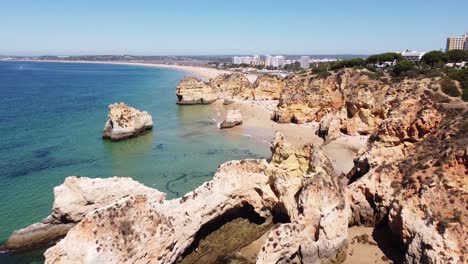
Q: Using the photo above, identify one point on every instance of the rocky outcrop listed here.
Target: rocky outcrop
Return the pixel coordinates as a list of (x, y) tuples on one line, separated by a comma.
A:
[(233, 118), (235, 85), (329, 127), (125, 122), (308, 98), (410, 177), (267, 87), (360, 101), (195, 91), (73, 199), (316, 205), (140, 228)]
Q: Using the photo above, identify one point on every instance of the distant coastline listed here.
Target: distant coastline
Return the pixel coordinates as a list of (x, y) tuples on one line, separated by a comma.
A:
[(201, 72)]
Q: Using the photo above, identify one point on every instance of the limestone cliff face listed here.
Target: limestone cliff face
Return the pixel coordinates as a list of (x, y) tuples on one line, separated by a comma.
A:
[(124, 122), (360, 103), (195, 91), (73, 199), (234, 85), (412, 176), (141, 228), (316, 204), (267, 87)]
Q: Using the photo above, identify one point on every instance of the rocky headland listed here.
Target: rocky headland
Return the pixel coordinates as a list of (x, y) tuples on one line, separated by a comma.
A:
[(125, 122), (408, 178)]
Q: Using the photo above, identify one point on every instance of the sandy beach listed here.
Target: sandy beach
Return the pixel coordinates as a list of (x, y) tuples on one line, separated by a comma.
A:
[(257, 123), (204, 73)]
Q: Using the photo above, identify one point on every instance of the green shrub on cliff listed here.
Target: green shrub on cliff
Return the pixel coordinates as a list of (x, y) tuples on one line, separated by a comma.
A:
[(403, 68), (462, 77), (449, 88), (389, 56), (434, 58)]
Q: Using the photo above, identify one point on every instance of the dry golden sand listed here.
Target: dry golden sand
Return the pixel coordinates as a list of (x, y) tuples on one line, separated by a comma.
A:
[(257, 123)]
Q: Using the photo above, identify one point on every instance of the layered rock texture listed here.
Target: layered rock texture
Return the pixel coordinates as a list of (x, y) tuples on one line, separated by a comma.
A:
[(355, 98), (298, 187), (125, 122), (412, 177), (73, 199), (233, 118), (195, 91), (233, 86)]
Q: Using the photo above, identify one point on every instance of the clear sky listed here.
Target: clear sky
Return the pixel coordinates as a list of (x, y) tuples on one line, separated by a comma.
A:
[(201, 27)]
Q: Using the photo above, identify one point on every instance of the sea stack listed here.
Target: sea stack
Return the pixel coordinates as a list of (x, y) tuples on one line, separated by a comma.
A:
[(125, 122), (233, 118)]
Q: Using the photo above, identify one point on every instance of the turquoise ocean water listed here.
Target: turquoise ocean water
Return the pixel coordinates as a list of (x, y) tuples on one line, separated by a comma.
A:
[(51, 119)]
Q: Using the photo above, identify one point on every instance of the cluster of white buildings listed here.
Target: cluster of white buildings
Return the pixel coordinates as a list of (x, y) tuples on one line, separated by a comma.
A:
[(268, 61), (411, 55)]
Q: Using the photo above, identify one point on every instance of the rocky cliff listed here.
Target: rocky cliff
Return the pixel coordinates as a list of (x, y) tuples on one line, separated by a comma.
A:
[(354, 97), (125, 122), (76, 197), (141, 228), (236, 85), (195, 91)]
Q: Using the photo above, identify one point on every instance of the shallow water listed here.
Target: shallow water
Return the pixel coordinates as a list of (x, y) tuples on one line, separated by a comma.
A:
[(51, 119)]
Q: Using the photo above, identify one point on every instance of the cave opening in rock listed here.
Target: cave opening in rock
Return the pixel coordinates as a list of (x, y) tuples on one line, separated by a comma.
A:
[(225, 234), (179, 98), (280, 214)]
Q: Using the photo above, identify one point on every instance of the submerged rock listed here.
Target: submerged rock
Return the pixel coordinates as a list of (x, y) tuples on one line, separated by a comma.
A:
[(195, 91), (233, 118), (125, 122), (73, 199)]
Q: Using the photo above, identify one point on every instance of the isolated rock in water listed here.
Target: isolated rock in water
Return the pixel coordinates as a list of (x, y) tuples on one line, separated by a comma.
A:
[(329, 127), (267, 87), (142, 229), (195, 91), (124, 122), (233, 118), (73, 199)]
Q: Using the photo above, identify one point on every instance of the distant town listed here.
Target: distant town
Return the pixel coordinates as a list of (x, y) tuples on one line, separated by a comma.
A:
[(282, 65)]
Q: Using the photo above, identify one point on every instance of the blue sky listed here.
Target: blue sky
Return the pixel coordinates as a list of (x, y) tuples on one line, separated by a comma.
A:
[(190, 27)]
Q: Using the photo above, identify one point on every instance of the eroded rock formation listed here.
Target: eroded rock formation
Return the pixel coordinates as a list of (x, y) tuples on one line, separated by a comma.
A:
[(412, 177), (233, 118), (73, 199), (140, 228), (267, 87), (125, 122), (235, 85), (195, 91)]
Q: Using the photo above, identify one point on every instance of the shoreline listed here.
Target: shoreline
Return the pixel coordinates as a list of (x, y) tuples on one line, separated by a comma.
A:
[(204, 73)]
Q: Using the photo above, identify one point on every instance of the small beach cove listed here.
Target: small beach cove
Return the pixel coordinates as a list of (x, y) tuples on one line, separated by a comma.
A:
[(53, 115)]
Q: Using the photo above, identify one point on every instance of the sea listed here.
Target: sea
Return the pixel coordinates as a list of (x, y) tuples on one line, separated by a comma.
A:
[(51, 120)]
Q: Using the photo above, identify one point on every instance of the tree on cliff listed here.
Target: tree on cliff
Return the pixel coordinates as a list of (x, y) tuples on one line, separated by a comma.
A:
[(434, 57), (457, 55), (389, 56), (402, 68)]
